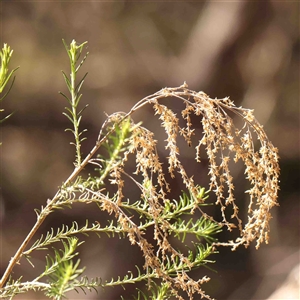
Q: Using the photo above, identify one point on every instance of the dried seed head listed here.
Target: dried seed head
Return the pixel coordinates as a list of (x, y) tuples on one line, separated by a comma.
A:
[(224, 144)]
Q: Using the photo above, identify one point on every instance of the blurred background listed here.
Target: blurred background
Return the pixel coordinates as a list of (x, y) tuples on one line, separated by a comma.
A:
[(248, 50)]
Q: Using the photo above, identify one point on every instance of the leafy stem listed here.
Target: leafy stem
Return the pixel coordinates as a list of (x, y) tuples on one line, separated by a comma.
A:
[(5, 75), (74, 53)]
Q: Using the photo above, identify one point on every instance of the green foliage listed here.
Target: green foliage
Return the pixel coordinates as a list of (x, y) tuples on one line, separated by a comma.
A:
[(63, 272), (115, 145), (5, 74), (158, 292)]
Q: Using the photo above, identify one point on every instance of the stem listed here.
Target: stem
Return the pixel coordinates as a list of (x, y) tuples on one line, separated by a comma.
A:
[(14, 260)]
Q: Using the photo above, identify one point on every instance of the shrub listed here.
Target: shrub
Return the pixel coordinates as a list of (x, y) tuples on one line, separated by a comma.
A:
[(152, 221)]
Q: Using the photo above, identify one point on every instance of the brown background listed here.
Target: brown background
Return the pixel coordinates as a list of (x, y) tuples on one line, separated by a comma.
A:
[(246, 50)]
